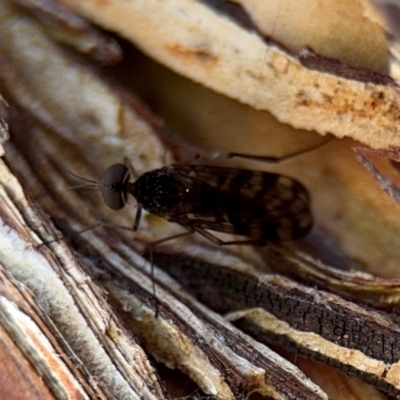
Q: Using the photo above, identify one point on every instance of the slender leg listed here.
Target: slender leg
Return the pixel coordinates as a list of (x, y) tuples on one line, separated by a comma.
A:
[(219, 242), (276, 160), (99, 224), (150, 248), (137, 218), (75, 233), (203, 233), (131, 168), (167, 239)]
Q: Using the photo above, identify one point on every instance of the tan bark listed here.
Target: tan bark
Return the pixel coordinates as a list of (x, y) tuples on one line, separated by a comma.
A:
[(81, 313)]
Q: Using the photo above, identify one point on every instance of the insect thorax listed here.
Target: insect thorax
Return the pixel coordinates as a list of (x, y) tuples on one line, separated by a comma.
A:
[(159, 191)]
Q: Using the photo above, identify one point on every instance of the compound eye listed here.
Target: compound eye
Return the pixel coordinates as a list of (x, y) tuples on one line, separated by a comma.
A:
[(114, 186)]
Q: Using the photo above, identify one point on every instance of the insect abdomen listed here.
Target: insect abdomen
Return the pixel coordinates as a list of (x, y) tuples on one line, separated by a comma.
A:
[(259, 205)]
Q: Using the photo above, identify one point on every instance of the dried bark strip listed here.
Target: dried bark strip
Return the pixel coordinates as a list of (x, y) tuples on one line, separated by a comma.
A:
[(70, 29), (78, 323), (358, 286), (232, 365), (390, 187), (197, 41), (289, 382), (105, 125), (358, 340), (33, 334)]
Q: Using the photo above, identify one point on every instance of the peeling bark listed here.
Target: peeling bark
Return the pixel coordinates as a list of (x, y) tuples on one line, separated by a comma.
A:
[(85, 315)]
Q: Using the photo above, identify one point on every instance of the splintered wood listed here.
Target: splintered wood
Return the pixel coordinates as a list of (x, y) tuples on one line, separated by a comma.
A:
[(78, 311)]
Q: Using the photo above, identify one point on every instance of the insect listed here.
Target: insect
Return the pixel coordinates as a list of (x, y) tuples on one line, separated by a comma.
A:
[(260, 206)]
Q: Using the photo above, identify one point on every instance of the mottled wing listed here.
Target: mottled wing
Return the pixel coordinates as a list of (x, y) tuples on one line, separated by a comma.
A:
[(255, 204)]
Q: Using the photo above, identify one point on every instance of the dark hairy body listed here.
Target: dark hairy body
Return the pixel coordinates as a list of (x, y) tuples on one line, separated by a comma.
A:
[(260, 206)]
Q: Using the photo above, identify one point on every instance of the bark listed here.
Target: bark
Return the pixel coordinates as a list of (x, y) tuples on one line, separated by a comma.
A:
[(88, 315)]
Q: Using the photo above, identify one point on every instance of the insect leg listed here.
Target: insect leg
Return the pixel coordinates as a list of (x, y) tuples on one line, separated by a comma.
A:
[(137, 218), (59, 239), (150, 248), (191, 230), (131, 168), (276, 160), (219, 242)]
